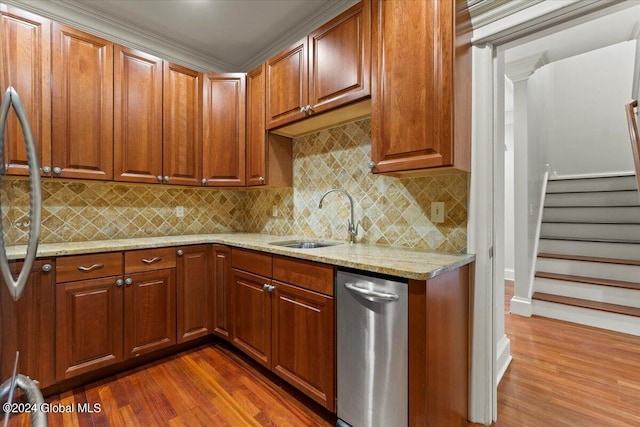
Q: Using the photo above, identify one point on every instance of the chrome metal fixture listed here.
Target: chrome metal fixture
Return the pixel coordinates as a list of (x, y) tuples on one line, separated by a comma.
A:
[(353, 226)]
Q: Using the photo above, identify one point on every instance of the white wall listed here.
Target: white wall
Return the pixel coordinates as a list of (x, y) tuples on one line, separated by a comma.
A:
[(585, 120), (509, 242)]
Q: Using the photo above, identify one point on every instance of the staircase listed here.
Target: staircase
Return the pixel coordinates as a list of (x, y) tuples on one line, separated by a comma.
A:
[(588, 263)]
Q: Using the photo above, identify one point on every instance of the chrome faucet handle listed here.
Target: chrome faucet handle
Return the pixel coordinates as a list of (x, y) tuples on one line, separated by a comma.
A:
[(353, 231)]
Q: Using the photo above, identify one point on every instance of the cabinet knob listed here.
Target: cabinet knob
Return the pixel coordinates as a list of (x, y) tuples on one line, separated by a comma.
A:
[(119, 282), (261, 179), (308, 109), (372, 164), (57, 170), (166, 178), (128, 281), (204, 181), (46, 169), (159, 178), (271, 288), (180, 252), (265, 286), (46, 268), (303, 110)]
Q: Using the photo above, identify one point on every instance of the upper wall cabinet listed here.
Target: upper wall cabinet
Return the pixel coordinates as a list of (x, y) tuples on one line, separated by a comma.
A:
[(137, 93), (224, 130), (328, 69), (182, 132), (25, 64), (421, 88), (82, 130)]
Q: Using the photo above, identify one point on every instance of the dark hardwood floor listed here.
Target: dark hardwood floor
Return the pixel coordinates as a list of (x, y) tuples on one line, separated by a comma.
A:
[(562, 374)]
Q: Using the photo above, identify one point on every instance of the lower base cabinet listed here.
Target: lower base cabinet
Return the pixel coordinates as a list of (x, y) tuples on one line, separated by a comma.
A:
[(194, 305), (285, 327)]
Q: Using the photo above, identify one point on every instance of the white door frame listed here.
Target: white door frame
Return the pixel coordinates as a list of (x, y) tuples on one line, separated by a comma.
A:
[(508, 29)]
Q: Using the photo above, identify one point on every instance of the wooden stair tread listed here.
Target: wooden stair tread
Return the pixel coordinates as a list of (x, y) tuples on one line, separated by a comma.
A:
[(595, 305), (588, 280), (590, 258)]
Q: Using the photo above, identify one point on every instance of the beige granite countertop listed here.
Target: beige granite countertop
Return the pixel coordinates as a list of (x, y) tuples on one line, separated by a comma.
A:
[(394, 261)]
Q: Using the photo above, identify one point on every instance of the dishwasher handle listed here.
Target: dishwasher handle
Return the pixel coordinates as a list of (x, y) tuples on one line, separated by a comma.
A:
[(369, 295)]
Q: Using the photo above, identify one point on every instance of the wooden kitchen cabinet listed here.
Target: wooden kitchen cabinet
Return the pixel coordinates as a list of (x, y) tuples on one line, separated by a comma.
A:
[(194, 292), (149, 311), (224, 114), (25, 64), (268, 157), (89, 316), (303, 349), (252, 315), (327, 69), (287, 327), (182, 130), (137, 93), (421, 86), (28, 325), (82, 126), (222, 303)]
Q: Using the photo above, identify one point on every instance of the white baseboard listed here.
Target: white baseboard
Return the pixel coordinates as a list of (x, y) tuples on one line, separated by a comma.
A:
[(503, 357), (521, 306), (509, 274), (592, 175)]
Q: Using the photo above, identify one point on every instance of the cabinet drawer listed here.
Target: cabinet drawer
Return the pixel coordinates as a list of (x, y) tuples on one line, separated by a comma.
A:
[(306, 274), (149, 259), (252, 261), (82, 267)]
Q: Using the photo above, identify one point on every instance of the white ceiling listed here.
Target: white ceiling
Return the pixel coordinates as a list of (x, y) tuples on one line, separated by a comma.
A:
[(207, 35)]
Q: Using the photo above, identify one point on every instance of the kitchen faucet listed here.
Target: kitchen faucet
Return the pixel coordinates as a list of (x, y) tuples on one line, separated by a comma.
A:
[(353, 226)]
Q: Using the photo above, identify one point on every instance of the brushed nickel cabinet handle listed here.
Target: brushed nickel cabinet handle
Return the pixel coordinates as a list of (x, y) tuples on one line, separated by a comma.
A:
[(119, 282), (91, 268), (159, 178), (166, 178), (261, 179), (128, 281), (180, 252), (46, 169), (47, 268), (152, 260), (57, 170)]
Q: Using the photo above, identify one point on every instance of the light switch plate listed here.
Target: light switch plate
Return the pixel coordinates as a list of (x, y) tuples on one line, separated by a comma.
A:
[(437, 212), (180, 211)]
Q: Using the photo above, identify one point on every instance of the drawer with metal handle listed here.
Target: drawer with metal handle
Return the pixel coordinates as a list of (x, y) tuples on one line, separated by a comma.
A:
[(149, 259), (83, 267)]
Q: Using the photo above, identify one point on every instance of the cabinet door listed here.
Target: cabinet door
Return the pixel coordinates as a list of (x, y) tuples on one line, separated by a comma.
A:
[(224, 130), (28, 326), (340, 59), (182, 133), (137, 97), (194, 292), (287, 85), (82, 105), (222, 304), (252, 316), (304, 341), (88, 326), (25, 64), (407, 129), (256, 128), (149, 312)]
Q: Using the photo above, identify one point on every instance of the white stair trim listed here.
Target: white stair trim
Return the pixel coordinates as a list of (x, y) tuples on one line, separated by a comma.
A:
[(600, 270), (589, 317), (521, 306), (590, 292), (557, 177)]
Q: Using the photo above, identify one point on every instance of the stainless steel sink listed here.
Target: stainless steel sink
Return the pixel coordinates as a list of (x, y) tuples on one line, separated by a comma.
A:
[(305, 244)]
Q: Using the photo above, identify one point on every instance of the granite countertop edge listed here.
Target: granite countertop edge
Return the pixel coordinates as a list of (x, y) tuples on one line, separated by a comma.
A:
[(394, 261)]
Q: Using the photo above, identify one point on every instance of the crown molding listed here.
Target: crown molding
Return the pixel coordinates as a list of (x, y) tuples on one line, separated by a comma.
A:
[(484, 12), (521, 69), (83, 17), (319, 17)]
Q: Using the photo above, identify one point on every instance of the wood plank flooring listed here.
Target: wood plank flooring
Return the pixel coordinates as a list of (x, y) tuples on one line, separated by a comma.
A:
[(561, 375), (564, 374), (208, 386)]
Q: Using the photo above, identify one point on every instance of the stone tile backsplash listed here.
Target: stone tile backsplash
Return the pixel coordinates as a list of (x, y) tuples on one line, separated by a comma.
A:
[(393, 211)]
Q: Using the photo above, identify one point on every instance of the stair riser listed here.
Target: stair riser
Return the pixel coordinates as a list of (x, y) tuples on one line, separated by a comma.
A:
[(613, 198), (615, 232), (590, 214), (589, 317), (595, 249), (627, 273), (608, 294), (592, 184)]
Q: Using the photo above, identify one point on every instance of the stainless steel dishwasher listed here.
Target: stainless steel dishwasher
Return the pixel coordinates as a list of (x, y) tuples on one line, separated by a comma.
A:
[(372, 350)]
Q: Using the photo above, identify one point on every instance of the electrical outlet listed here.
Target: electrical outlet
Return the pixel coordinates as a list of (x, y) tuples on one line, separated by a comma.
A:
[(437, 212), (274, 211), (180, 211)]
